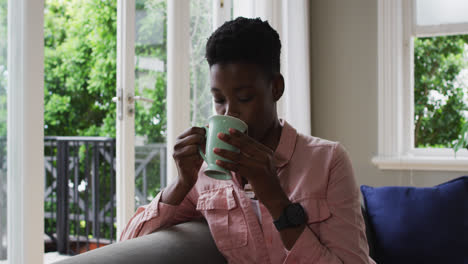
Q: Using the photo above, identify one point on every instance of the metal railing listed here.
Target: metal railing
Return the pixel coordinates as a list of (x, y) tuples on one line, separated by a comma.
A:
[(80, 189)]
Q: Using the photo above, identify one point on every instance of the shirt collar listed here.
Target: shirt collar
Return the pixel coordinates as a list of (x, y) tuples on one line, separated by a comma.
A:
[(286, 145)]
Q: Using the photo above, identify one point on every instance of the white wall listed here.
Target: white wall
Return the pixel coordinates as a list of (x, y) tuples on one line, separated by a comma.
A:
[(344, 88)]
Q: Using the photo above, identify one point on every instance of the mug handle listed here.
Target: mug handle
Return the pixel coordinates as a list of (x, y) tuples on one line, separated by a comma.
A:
[(199, 148)]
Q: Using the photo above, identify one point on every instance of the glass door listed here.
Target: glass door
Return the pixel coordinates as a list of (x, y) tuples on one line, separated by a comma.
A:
[(142, 97), (141, 104), (150, 84)]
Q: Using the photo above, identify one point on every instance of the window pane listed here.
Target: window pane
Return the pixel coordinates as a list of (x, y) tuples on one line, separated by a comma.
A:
[(3, 126), (150, 82), (440, 89), (200, 29), (436, 12)]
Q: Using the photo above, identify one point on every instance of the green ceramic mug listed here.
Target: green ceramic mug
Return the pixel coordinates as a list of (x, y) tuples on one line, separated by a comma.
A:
[(219, 123)]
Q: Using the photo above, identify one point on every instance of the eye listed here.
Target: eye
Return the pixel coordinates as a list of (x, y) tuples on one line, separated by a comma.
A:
[(219, 100), (246, 99)]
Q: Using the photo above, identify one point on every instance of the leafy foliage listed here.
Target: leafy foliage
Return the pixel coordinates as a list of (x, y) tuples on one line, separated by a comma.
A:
[(80, 70), (439, 102), (151, 35)]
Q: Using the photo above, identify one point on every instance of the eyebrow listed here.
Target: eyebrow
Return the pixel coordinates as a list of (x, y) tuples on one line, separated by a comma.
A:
[(237, 89)]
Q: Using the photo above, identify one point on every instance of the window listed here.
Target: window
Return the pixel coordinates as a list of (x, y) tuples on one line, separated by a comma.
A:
[(200, 30), (150, 49), (440, 90), (3, 123), (422, 84)]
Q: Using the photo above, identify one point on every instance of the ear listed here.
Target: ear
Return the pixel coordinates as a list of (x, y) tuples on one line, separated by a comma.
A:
[(277, 86)]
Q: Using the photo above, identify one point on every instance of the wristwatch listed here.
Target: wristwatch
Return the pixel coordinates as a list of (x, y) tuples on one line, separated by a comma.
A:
[(293, 216)]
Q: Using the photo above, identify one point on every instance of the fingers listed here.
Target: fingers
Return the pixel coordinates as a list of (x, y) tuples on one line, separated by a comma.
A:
[(242, 136), (188, 142), (228, 165), (230, 155), (194, 139), (243, 145), (190, 150), (246, 144), (237, 159), (191, 131)]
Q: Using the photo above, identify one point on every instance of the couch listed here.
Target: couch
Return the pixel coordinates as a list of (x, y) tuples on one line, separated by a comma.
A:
[(189, 242), (408, 210)]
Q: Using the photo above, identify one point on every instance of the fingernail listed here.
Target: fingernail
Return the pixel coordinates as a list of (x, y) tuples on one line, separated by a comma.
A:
[(216, 150), (232, 130), (220, 135)]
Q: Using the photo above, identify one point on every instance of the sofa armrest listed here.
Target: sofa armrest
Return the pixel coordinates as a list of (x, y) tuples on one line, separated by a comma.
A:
[(189, 242)]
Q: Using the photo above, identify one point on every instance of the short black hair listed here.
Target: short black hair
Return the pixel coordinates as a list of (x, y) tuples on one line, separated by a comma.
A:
[(245, 40)]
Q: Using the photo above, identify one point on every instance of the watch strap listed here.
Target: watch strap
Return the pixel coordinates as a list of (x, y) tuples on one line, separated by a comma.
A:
[(284, 220)]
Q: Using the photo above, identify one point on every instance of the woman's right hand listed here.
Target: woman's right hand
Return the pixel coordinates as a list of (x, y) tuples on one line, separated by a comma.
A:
[(187, 157)]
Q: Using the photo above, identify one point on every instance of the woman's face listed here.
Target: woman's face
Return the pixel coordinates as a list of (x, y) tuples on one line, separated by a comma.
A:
[(243, 91)]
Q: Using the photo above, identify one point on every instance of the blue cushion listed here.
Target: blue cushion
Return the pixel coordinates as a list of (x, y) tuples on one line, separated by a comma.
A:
[(419, 225)]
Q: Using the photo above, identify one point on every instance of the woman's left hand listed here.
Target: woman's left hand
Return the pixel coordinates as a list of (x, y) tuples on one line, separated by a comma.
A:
[(256, 163)]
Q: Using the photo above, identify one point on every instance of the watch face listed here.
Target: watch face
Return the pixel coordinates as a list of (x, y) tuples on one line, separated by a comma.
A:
[(296, 214)]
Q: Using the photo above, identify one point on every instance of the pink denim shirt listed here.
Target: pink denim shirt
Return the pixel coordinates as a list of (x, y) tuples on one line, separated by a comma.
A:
[(312, 171)]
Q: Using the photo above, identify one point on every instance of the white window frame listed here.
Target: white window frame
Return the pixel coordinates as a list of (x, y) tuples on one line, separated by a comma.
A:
[(396, 151), (25, 132), (125, 122)]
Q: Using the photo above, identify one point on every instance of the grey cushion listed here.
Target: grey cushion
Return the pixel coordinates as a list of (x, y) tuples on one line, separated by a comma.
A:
[(184, 243)]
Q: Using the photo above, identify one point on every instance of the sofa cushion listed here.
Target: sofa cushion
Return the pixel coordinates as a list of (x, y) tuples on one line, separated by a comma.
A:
[(189, 242), (419, 225)]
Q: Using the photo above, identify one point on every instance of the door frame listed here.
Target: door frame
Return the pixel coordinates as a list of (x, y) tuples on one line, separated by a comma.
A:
[(25, 132), (125, 119)]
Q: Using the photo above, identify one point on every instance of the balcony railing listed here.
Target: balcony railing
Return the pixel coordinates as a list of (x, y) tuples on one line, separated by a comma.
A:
[(80, 189)]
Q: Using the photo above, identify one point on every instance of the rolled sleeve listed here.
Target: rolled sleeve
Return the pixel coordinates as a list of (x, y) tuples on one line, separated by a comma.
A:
[(157, 215), (342, 236)]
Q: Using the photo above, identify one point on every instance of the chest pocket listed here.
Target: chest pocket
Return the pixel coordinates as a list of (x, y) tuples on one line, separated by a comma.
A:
[(225, 218)]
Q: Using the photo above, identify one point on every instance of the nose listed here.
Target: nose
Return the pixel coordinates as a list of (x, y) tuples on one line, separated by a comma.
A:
[(232, 110)]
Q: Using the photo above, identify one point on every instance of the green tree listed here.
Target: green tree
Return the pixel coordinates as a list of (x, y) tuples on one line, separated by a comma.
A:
[(80, 67), (437, 64), (80, 70), (151, 36)]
